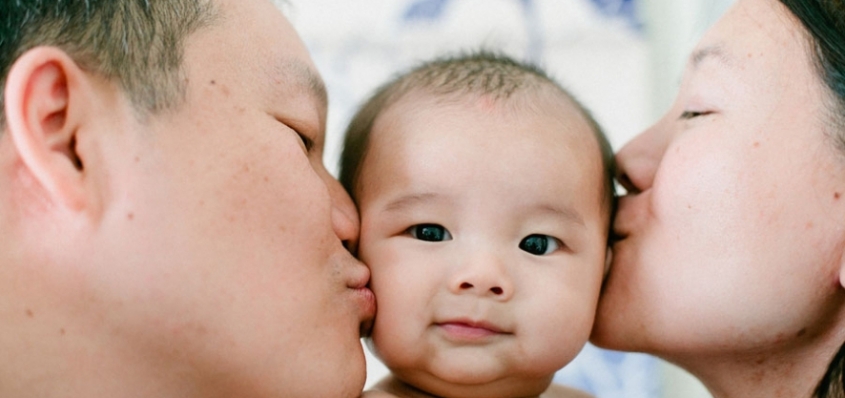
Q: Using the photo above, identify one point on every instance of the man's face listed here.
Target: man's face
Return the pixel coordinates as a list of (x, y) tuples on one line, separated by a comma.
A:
[(228, 253)]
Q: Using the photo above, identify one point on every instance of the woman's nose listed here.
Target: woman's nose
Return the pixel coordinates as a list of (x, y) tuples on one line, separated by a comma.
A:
[(639, 160)]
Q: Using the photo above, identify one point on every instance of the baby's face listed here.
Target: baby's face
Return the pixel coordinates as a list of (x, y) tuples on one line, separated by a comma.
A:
[(483, 226)]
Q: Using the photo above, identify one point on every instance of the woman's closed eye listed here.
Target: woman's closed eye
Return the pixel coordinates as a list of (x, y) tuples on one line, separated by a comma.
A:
[(429, 232), (540, 245), (687, 115)]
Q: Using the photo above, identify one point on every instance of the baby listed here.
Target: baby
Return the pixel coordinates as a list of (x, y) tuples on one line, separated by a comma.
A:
[(485, 193)]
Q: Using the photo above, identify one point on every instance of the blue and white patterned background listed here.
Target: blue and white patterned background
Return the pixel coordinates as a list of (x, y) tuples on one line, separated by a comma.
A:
[(595, 48)]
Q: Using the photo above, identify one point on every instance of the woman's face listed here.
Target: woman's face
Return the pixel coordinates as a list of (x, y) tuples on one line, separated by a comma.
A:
[(733, 235)]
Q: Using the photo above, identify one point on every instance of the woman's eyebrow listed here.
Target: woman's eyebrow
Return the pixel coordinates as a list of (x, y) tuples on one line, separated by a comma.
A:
[(716, 52)]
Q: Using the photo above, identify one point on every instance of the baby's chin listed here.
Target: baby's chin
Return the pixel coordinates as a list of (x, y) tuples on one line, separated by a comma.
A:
[(459, 381)]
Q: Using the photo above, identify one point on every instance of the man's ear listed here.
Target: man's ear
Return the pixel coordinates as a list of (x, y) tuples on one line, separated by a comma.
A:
[(841, 248), (46, 100)]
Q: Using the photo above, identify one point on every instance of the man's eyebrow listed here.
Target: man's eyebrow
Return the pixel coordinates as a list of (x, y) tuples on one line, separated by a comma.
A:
[(306, 78), (715, 51), (406, 201)]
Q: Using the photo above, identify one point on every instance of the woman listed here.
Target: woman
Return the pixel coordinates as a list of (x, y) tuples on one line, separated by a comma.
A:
[(731, 253)]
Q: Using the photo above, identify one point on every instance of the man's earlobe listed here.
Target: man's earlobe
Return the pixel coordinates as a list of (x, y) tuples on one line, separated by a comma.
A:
[(842, 270), (45, 104)]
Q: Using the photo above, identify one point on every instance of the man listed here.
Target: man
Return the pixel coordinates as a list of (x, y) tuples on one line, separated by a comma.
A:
[(167, 228)]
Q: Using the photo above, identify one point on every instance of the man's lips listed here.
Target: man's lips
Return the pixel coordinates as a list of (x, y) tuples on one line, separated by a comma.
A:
[(362, 295), (367, 302), (466, 329)]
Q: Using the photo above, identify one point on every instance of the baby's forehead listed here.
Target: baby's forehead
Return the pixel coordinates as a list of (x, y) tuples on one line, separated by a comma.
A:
[(534, 103), (549, 121)]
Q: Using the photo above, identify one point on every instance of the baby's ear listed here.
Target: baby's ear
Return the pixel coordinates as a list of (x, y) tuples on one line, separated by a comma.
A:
[(45, 105)]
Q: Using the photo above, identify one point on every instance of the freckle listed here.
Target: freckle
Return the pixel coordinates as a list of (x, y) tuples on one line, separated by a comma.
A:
[(837, 195), (29, 313), (202, 202), (213, 82), (809, 225), (802, 332), (137, 159), (266, 179), (62, 331), (756, 144), (130, 216)]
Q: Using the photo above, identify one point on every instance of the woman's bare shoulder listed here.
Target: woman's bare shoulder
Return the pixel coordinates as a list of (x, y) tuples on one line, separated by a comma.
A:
[(559, 391)]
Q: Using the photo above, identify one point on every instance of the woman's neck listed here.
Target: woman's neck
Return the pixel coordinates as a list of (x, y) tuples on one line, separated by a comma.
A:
[(790, 372)]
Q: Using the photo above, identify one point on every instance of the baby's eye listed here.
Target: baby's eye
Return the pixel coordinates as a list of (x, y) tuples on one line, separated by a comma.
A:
[(539, 245), (430, 232)]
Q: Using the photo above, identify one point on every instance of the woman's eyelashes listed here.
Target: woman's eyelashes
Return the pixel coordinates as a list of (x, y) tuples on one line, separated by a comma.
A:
[(429, 232), (687, 115), (540, 245)]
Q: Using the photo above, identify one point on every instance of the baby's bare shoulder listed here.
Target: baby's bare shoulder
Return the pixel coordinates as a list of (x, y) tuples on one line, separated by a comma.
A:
[(559, 391), (377, 394), (388, 387)]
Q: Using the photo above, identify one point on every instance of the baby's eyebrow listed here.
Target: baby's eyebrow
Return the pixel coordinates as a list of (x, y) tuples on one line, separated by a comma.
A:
[(409, 200), (564, 212)]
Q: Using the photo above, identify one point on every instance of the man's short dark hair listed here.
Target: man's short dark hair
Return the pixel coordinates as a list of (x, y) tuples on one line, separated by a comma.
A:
[(138, 44)]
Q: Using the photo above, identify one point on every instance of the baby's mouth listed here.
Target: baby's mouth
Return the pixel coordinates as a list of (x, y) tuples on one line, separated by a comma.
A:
[(470, 330)]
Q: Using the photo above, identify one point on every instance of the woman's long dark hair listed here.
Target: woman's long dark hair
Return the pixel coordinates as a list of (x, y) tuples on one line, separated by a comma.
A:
[(825, 21)]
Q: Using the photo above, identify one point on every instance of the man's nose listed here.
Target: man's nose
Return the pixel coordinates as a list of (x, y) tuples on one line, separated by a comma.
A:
[(344, 214)]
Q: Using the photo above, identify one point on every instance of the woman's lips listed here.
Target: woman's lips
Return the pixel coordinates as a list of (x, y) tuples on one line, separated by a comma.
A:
[(466, 330)]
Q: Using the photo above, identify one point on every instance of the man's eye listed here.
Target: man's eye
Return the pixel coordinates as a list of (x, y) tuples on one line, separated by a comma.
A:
[(539, 245), (429, 232), (309, 143)]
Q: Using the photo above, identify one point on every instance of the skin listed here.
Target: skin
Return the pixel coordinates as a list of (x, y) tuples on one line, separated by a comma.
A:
[(470, 315), (198, 253), (731, 257)]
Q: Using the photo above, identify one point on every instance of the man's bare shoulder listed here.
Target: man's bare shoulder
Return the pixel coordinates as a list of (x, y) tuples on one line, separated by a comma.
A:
[(559, 391)]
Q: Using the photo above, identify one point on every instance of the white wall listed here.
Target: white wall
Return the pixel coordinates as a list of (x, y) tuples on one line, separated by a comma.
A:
[(626, 73)]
